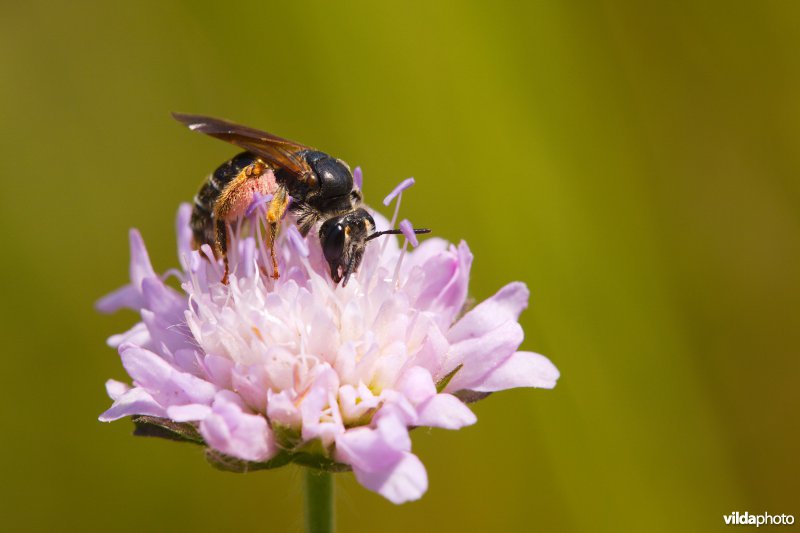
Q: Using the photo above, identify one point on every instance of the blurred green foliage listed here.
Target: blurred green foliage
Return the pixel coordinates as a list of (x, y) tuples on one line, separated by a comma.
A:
[(635, 164)]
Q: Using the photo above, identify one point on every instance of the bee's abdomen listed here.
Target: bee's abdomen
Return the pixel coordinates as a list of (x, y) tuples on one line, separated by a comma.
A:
[(202, 221)]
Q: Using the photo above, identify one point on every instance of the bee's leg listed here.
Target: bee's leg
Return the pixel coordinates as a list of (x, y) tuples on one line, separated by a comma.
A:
[(222, 246), (277, 208), (230, 199)]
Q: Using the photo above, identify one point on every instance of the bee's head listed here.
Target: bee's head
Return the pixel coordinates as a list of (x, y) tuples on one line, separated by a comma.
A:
[(343, 240)]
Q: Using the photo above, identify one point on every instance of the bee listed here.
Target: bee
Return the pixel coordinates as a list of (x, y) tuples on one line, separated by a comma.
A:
[(314, 186)]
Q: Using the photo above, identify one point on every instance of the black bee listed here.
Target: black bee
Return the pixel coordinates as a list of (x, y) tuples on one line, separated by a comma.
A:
[(311, 184)]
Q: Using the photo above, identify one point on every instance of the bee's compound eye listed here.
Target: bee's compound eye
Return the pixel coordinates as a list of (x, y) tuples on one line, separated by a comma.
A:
[(333, 242)]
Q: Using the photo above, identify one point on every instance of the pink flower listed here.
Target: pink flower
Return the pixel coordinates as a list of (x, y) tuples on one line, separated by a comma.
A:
[(263, 371)]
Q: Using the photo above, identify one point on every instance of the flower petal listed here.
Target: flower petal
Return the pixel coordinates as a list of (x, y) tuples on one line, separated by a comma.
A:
[(428, 248), (417, 385), (138, 334), (127, 297), (136, 401), (188, 413), (367, 449), (442, 282), (445, 411), (163, 300), (167, 385), (184, 234), (522, 369), (504, 306), (281, 409), (320, 410), (140, 261), (405, 481), (380, 465), (481, 355), (229, 429), (115, 388)]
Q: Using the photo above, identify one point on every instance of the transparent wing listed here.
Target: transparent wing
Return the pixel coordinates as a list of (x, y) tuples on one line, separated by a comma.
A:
[(273, 149)]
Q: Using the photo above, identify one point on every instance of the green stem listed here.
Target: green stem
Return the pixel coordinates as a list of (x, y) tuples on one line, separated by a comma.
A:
[(319, 501)]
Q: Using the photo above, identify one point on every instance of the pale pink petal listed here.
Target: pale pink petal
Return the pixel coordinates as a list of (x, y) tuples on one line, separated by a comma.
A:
[(282, 410), (140, 261), (482, 355), (434, 346), (188, 413), (417, 385), (428, 248), (251, 382), (167, 385), (366, 449), (229, 429), (522, 369), (163, 300), (504, 306), (442, 285), (405, 481), (115, 388), (167, 331), (320, 410), (451, 299), (356, 402), (445, 411), (188, 360), (127, 297), (381, 465), (138, 335), (435, 274), (136, 401), (393, 427), (184, 234), (219, 370)]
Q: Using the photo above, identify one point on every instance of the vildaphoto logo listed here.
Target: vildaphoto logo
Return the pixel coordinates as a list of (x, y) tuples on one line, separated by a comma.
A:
[(766, 519)]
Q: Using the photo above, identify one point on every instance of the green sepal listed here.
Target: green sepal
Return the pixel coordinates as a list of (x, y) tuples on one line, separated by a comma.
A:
[(154, 426), (220, 461), (287, 437), (445, 380), (365, 419), (470, 396), (319, 462), (315, 455)]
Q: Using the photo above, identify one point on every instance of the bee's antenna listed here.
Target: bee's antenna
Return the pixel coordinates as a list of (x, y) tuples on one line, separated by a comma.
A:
[(395, 232)]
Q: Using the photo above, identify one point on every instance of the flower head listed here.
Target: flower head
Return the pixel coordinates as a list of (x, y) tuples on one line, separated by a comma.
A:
[(263, 372)]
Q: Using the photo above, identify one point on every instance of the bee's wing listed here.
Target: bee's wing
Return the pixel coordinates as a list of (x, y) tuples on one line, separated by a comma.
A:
[(275, 150)]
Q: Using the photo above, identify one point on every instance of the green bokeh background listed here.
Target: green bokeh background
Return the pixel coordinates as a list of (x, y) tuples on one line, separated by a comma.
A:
[(636, 165)]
